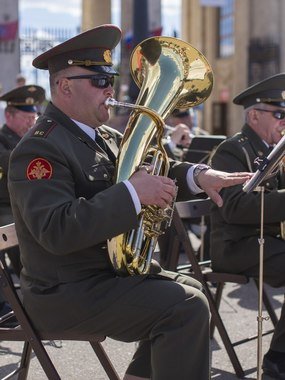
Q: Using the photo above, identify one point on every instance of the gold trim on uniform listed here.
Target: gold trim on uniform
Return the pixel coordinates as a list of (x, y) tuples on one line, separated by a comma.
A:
[(88, 62)]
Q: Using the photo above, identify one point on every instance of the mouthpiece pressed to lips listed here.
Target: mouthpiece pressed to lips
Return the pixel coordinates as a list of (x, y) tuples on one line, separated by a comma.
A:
[(110, 102)]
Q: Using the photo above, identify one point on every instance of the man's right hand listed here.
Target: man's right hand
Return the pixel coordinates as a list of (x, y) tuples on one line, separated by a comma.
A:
[(152, 189)]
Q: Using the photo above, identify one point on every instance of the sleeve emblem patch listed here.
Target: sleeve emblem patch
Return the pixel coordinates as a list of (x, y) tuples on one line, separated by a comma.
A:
[(39, 168)]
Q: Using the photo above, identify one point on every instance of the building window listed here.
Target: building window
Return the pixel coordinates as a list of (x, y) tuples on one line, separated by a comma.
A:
[(226, 29)]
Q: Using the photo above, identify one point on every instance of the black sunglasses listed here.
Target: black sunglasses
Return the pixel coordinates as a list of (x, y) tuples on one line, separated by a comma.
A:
[(279, 115), (98, 81)]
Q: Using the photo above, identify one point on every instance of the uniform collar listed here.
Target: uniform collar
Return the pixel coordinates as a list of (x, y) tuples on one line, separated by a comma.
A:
[(85, 128), (258, 145)]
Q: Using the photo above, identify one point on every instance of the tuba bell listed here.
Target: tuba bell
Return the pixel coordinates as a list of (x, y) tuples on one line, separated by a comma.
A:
[(171, 74)]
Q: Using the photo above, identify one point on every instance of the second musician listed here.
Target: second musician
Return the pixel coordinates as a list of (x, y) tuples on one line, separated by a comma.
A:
[(236, 226)]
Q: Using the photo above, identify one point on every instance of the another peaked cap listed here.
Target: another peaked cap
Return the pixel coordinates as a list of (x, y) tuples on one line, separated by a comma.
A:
[(24, 98), (90, 49), (271, 91)]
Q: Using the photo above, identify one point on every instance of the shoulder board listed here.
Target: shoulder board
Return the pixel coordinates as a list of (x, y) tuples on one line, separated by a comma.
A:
[(242, 139), (44, 128)]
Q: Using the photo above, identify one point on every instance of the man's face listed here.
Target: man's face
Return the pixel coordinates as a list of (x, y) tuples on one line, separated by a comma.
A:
[(268, 121), (86, 101), (20, 121)]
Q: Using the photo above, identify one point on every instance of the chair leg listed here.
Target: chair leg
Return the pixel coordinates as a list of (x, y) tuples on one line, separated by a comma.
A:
[(105, 361), (267, 304), (217, 320), (44, 358), (25, 361), (217, 298)]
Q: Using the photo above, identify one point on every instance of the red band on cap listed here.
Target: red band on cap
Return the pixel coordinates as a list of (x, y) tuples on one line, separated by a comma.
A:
[(39, 168)]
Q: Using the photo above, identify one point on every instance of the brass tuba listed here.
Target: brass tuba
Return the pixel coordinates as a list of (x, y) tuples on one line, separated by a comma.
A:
[(171, 74)]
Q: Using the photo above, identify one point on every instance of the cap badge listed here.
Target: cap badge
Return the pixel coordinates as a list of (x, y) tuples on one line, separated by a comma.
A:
[(39, 168), (32, 89), (29, 101), (107, 56)]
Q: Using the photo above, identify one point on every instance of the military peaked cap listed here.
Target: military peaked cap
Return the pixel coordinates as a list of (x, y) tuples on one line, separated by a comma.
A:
[(271, 90), (90, 49), (25, 98)]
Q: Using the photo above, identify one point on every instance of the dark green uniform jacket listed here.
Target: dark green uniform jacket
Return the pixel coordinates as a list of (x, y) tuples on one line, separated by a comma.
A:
[(236, 226), (65, 207)]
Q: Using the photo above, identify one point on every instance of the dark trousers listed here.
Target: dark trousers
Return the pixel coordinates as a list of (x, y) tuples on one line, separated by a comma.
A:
[(166, 312)]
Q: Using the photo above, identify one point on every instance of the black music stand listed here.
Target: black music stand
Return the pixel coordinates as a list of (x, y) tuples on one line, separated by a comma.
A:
[(265, 170), (201, 148)]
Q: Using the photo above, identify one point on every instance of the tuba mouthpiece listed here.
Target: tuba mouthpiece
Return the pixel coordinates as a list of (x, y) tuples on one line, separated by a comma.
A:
[(110, 102)]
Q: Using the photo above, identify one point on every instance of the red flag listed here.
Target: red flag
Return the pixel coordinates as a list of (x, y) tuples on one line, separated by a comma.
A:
[(8, 31), (156, 32)]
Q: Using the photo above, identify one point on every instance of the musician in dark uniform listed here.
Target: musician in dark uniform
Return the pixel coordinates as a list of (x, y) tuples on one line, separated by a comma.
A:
[(236, 226), (20, 116), (66, 206)]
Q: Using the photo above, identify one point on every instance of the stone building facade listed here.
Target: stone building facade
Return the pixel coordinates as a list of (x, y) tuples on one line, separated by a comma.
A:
[(243, 40)]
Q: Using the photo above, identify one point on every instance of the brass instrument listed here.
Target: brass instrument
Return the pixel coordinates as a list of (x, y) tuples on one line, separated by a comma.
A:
[(170, 73)]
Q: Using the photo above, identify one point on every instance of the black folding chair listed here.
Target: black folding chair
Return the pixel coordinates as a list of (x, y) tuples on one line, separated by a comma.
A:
[(28, 334), (202, 271)]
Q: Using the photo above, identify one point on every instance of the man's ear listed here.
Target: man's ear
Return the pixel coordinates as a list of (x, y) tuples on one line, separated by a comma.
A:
[(253, 116), (64, 85), (8, 116)]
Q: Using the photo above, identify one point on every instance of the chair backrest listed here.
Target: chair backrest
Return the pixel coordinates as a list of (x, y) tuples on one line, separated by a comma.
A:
[(170, 241), (197, 210), (194, 209), (202, 148), (26, 331)]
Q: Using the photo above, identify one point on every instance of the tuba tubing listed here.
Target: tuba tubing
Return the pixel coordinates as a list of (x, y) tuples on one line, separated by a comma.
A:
[(170, 74), (139, 245)]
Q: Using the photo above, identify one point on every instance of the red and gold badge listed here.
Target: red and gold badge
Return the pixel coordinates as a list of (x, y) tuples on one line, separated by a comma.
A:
[(39, 168)]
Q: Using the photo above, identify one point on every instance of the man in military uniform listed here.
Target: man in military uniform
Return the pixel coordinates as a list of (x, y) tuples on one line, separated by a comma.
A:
[(20, 115), (66, 206), (236, 226)]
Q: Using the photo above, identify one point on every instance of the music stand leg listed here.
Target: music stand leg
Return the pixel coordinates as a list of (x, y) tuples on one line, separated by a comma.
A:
[(260, 317)]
